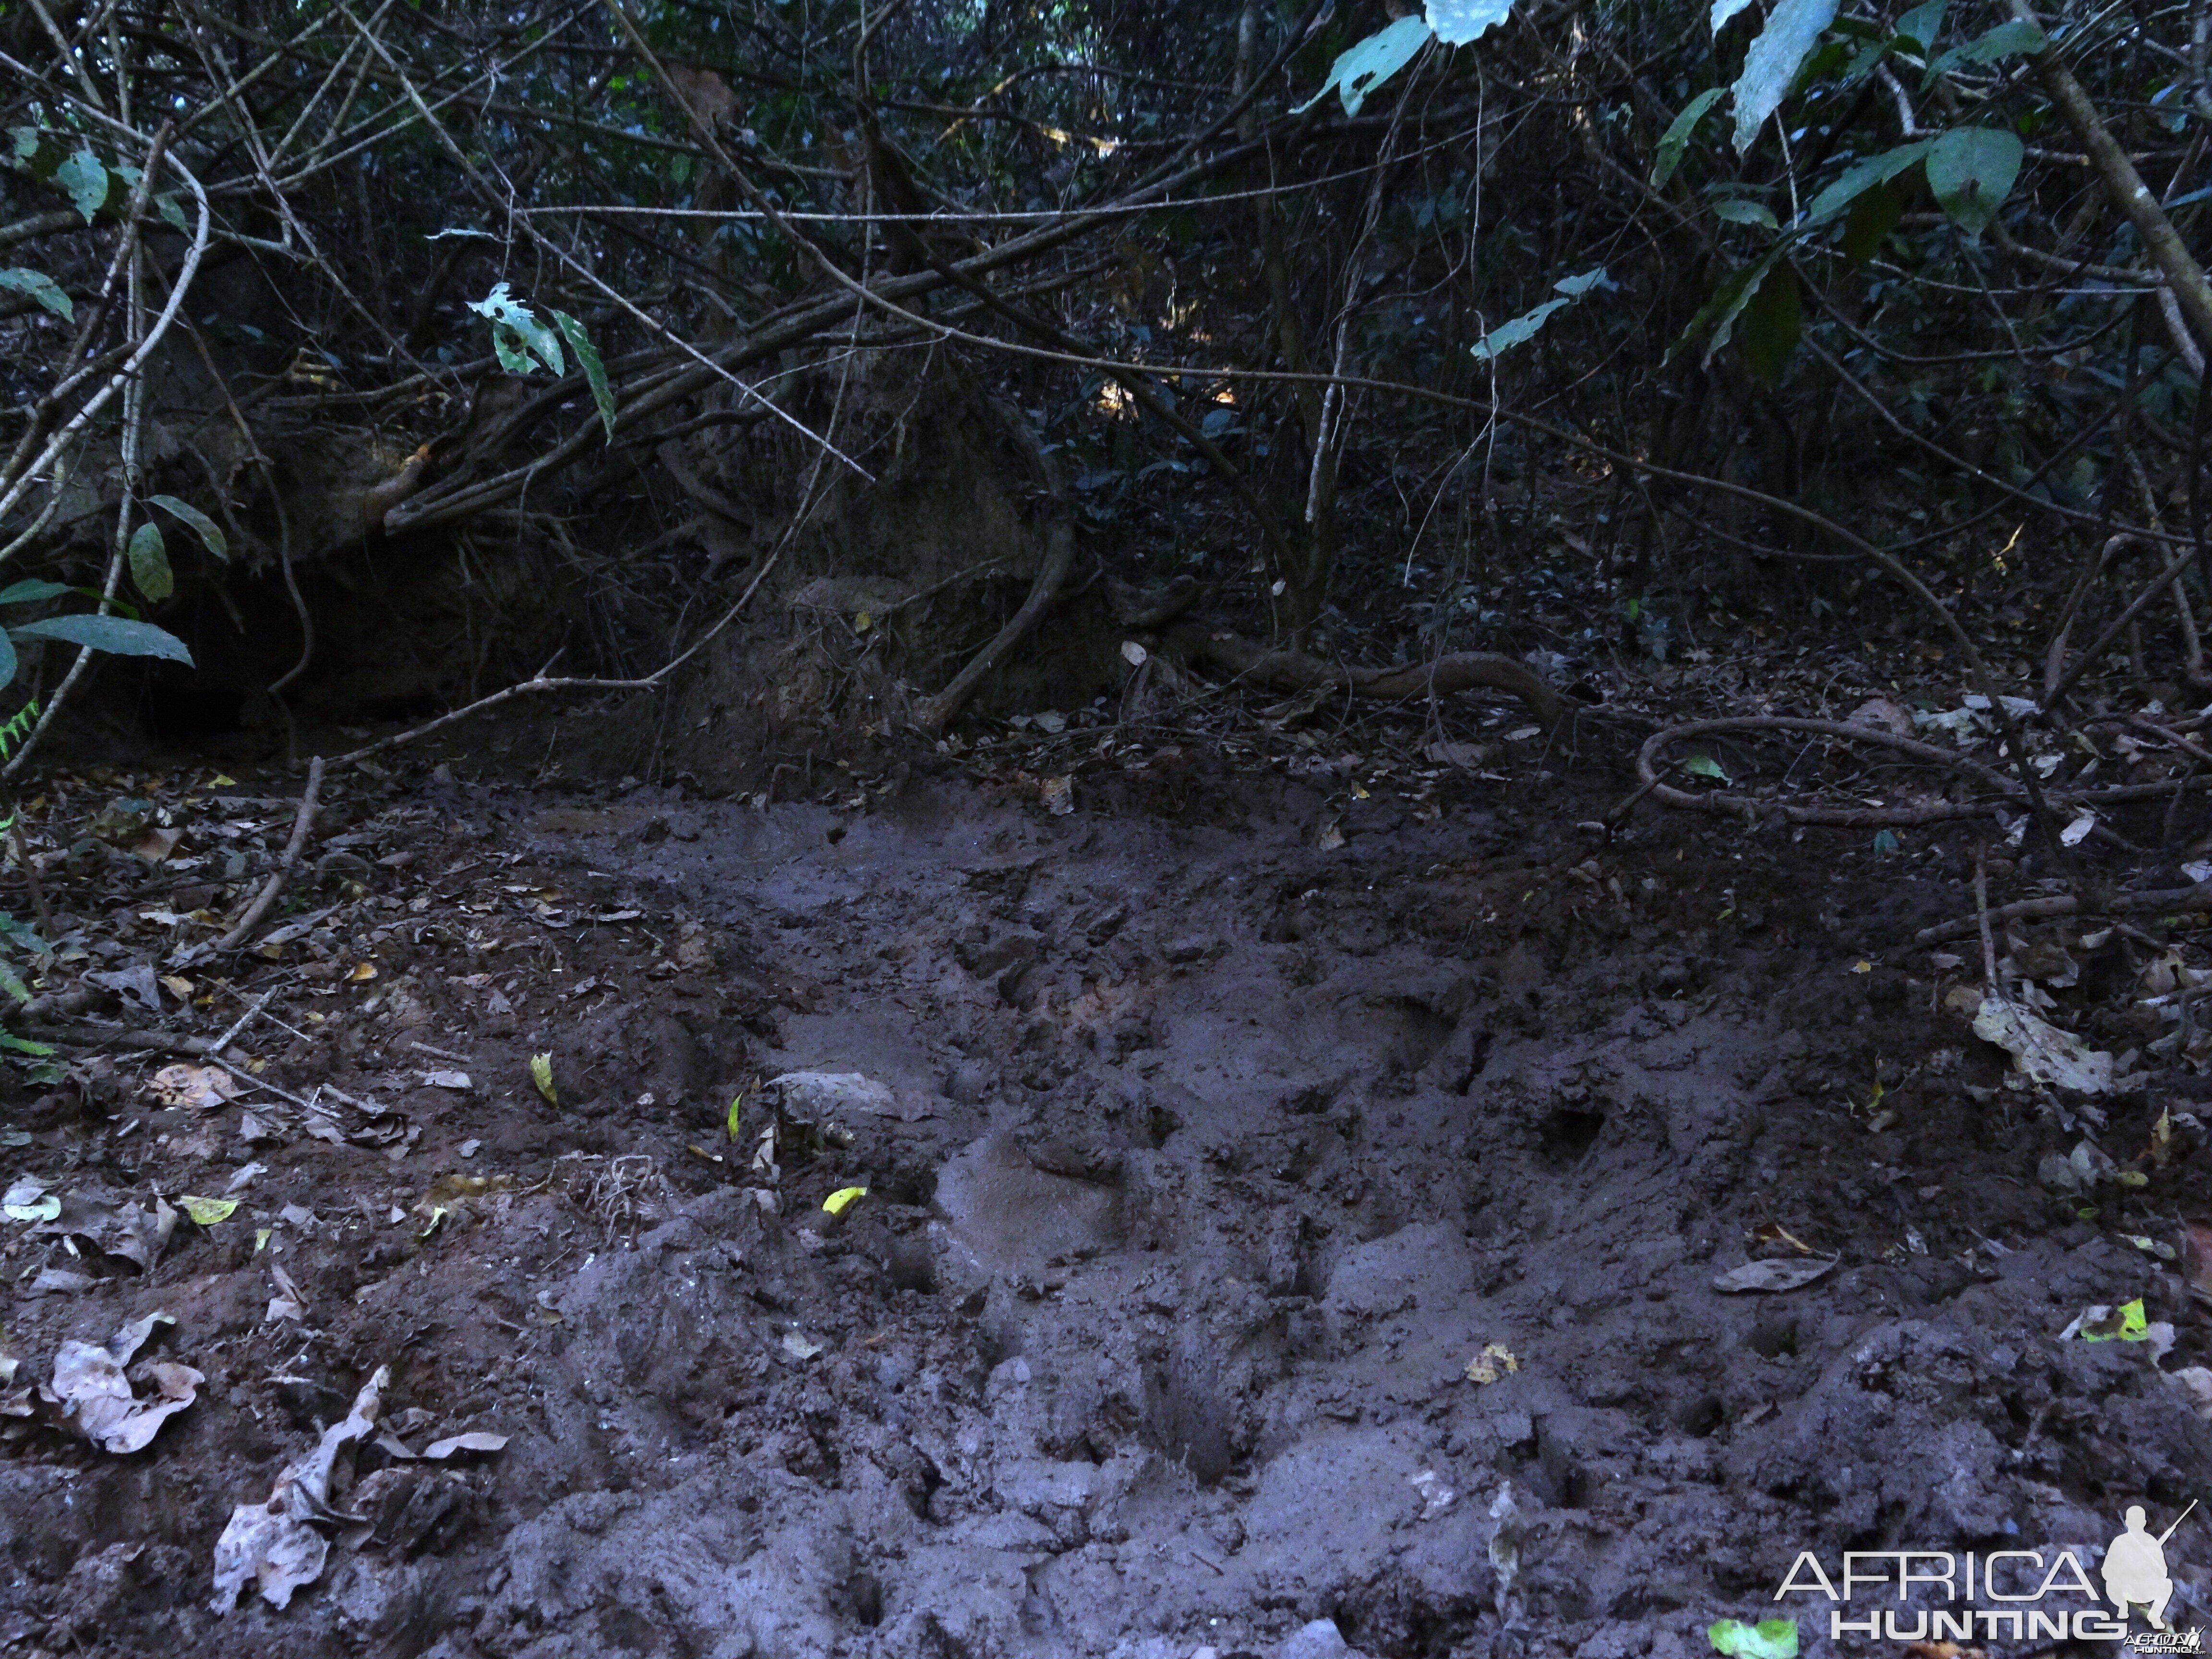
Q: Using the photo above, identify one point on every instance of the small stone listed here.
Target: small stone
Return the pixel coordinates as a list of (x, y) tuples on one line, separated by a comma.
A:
[(1319, 1640), (1190, 948)]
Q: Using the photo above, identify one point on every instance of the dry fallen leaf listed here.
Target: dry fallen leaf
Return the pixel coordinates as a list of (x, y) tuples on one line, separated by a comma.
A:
[(204, 1087), (90, 1385), (271, 1544), (1772, 1275)]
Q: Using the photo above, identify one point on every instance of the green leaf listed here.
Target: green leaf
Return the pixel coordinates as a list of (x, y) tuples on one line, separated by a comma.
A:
[(1771, 323), (24, 1045), (1705, 766), (1874, 216), (206, 1211), (1743, 210), (43, 290), (12, 983), (1923, 24), (2019, 35), (1717, 318), (23, 593), (1676, 138), (7, 662), (149, 562), (209, 532), (1361, 69), (172, 212), (110, 633), (1862, 176), (1457, 22), (85, 180), (595, 371), (1769, 1638), (1972, 170), (1724, 9), (1770, 69), (1506, 335)]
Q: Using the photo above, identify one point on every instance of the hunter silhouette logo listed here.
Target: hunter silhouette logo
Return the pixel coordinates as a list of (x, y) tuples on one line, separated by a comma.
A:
[(2013, 1594), (2135, 1567)]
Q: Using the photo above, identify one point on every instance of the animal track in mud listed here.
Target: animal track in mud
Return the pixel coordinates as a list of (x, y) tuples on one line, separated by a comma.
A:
[(1214, 1159)]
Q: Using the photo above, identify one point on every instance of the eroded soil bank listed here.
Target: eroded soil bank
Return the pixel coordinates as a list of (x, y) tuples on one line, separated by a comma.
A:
[(1217, 1134)]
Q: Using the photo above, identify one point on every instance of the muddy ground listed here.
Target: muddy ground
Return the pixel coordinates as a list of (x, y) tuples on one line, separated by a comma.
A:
[(1225, 1122)]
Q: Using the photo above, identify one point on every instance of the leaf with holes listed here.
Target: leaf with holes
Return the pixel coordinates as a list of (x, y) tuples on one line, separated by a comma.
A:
[(149, 562), (1361, 69), (1770, 67), (209, 532), (113, 635), (516, 334), (1972, 170), (85, 180), (41, 290)]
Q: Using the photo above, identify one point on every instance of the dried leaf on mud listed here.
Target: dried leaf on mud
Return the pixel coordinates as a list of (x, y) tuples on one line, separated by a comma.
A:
[(202, 1087), (1772, 1275), (29, 1200), (2052, 1057), (477, 1440), (1495, 1360), (90, 1385), (273, 1545)]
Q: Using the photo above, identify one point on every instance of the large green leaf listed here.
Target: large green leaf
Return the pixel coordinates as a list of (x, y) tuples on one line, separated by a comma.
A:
[(1771, 323), (1716, 319), (595, 371), (1972, 170), (23, 593), (42, 289), (1792, 30), (1361, 69), (2019, 35), (1862, 176), (149, 562), (1923, 24), (7, 660), (1724, 9), (209, 532), (1676, 138), (85, 180), (1456, 22), (1872, 216), (111, 634)]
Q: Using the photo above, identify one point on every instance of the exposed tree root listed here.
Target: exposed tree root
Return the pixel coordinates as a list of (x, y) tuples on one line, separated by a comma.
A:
[(1281, 670), (1059, 559)]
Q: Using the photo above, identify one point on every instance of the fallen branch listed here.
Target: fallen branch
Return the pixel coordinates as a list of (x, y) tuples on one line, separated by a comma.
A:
[(2172, 901), (1730, 803), (1282, 670), (282, 874)]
